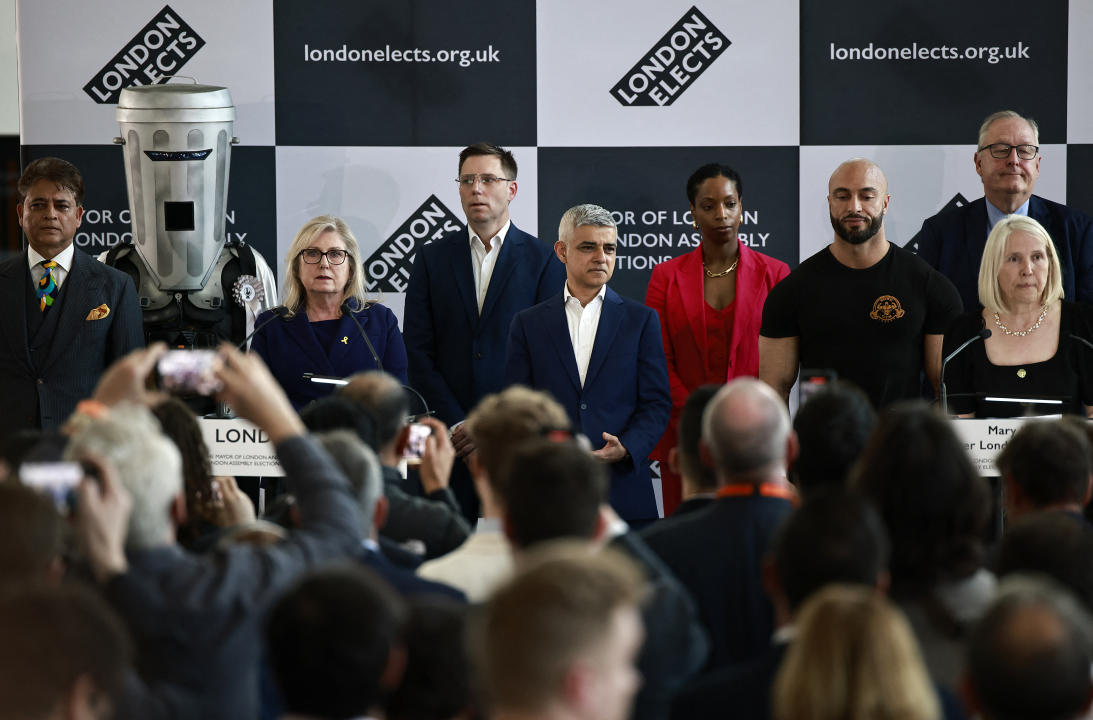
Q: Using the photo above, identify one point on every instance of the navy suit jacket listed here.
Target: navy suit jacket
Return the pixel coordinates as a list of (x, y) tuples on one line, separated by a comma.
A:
[(44, 393), (291, 348), (457, 356), (953, 240), (625, 390)]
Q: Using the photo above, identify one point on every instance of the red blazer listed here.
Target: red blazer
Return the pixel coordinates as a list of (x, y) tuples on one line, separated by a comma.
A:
[(676, 293)]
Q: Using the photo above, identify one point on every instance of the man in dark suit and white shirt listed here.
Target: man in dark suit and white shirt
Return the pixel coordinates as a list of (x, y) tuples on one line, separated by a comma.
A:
[(1007, 159), (462, 294), (66, 316), (600, 355)]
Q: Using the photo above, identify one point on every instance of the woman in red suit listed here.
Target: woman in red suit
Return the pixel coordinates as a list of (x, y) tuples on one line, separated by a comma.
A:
[(710, 303)]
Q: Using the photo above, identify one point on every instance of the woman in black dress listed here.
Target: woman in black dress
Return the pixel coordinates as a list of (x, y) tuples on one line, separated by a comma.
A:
[(1040, 346)]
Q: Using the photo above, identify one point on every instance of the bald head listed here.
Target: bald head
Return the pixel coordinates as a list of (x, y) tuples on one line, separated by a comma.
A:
[(746, 428), (1029, 656), (858, 168)]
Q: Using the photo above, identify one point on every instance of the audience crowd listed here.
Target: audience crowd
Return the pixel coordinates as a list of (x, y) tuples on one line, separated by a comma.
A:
[(840, 566)]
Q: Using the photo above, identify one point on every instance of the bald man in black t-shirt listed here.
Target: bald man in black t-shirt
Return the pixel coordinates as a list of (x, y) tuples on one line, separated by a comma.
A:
[(869, 311)]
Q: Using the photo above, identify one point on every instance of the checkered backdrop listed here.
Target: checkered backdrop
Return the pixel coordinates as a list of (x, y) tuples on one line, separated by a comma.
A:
[(359, 107)]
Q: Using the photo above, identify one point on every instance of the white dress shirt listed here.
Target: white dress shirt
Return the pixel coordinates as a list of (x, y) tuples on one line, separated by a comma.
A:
[(483, 262), (64, 265), (583, 322)]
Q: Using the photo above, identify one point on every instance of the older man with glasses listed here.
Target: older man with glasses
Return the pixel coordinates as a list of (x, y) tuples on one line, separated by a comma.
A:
[(1007, 159)]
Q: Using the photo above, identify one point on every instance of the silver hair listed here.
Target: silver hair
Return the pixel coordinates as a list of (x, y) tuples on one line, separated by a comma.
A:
[(745, 427), (148, 464), (360, 465), (582, 215), (1003, 115)]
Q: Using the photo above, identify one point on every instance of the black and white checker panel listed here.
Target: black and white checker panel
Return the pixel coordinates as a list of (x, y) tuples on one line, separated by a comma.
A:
[(359, 107)]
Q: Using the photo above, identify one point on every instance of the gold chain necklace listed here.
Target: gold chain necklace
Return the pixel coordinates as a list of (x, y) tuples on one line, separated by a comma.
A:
[(1020, 333), (723, 273)]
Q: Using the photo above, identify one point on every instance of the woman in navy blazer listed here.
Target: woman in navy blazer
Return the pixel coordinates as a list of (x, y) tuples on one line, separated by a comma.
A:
[(316, 330)]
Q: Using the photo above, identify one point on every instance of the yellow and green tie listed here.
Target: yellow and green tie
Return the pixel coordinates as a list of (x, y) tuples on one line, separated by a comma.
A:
[(47, 286)]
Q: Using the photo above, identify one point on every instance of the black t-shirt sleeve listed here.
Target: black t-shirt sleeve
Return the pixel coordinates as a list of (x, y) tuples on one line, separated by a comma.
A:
[(780, 319), (943, 304)]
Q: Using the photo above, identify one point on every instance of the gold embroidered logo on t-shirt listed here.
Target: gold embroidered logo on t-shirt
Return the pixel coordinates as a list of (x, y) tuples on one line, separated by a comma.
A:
[(886, 308)]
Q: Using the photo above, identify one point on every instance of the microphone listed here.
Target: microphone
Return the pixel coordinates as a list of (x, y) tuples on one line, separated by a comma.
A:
[(278, 312), (375, 356), (983, 334), (1082, 340)]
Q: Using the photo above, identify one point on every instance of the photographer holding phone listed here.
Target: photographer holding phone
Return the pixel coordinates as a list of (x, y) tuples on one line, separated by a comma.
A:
[(196, 617)]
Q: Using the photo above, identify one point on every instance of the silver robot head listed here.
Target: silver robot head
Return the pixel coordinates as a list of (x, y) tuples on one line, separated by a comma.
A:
[(177, 142)]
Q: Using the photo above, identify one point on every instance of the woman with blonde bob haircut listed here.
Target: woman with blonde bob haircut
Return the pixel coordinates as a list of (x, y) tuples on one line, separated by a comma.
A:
[(326, 327), (1038, 347), (853, 658)]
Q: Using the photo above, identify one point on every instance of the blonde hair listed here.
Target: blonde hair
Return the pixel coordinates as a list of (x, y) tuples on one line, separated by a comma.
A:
[(295, 296), (854, 658), (994, 254)]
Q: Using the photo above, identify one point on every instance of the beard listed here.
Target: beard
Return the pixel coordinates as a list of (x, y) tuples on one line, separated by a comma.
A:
[(857, 237)]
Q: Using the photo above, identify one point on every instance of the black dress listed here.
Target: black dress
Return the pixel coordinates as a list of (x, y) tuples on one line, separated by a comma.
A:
[(1067, 375)]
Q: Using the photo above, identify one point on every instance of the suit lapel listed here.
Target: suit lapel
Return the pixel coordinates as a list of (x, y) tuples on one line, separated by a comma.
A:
[(82, 289), (693, 297), (459, 264), (13, 293), (610, 320), (976, 232), (511, 249), (553, 316)]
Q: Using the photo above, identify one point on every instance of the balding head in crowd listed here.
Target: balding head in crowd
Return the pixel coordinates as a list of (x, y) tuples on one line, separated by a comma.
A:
[(747, 432), (1030, 655)]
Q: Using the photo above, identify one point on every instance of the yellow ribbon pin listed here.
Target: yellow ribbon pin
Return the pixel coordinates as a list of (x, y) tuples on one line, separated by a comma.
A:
[(345, 340)]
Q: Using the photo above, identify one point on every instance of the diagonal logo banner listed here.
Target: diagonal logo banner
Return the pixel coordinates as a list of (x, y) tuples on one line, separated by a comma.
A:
[(388, 268), (674, 62)]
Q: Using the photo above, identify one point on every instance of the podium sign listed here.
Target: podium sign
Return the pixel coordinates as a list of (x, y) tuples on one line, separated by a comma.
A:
[(238, 448), (984, 439)]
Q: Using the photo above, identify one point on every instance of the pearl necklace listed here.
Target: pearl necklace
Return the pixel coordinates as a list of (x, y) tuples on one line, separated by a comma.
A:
[(1020, 333), (723, 273)]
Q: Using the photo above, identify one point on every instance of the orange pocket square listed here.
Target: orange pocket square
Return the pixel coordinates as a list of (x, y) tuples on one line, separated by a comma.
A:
[(98, 313)]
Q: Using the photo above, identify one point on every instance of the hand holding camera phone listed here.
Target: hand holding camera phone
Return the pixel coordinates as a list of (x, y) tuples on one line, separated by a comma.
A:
[(189, 372)]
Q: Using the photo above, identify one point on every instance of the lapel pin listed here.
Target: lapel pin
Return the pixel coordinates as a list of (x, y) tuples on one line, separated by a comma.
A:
[(345, 340)]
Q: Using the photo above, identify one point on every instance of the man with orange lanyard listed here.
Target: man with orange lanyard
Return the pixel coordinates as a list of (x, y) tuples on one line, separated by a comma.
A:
[(717, 552)]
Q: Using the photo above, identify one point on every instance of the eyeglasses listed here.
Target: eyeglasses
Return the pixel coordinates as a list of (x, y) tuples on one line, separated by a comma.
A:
[(1000, 151), (487, 181), (313, 256)]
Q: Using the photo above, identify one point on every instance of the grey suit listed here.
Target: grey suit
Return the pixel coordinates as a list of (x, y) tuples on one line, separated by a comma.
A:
[(49, 363)]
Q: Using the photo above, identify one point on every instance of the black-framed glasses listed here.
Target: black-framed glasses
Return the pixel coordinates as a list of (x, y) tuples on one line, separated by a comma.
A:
[(1000, 151), (488, 181), (313, 256)]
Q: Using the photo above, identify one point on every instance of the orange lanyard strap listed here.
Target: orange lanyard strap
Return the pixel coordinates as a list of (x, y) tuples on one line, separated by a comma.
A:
[(767, 489)]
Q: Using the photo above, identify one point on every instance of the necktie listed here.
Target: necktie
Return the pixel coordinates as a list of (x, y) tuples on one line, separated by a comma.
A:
[(47, 286)]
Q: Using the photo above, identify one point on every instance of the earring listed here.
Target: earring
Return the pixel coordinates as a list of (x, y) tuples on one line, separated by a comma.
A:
[(694, 223)]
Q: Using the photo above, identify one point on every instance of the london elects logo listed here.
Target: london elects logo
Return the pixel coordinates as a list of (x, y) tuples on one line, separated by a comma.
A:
[(159, 50), (388, 268), (674, 63)]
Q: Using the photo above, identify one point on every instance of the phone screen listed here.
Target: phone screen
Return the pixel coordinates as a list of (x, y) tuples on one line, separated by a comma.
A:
[(58, 480), (415, 446), (189, 372)]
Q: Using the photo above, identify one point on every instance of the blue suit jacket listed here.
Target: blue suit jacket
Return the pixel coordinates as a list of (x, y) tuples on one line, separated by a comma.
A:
[(455, 355), (953, 240), (290, 348), (44, 393), (625, 390)]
